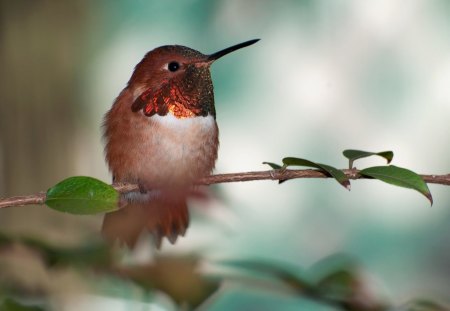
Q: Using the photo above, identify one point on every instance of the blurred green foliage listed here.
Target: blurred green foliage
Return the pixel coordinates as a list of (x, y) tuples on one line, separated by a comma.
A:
[(9, 304), (337, 281)]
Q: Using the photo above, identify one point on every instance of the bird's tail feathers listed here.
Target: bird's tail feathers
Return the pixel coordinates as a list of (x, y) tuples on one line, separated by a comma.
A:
[(161, 217)]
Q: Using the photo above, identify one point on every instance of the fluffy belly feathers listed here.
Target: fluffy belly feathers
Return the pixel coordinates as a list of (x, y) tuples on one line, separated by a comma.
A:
[(164, 151)]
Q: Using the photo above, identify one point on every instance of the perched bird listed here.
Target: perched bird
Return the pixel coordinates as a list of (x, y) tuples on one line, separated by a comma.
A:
[(161, 133)]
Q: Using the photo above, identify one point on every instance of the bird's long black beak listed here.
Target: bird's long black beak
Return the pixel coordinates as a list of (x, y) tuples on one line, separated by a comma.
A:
[(233, 48)]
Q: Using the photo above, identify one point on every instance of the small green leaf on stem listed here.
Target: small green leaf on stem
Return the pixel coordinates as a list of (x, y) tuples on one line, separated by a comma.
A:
[(337, 174), (82, 195), (399, 176), (273, 165), (353, 155)]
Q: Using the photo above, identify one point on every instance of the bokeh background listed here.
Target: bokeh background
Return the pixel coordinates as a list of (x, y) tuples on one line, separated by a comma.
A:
[(326, 76)]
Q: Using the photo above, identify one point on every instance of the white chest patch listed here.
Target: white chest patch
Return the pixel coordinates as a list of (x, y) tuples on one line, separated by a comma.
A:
[(178, 149), (182, 139), (176, 124)]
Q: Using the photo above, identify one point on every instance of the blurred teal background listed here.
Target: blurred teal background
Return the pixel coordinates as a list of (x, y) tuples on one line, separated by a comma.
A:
[(326, 76)]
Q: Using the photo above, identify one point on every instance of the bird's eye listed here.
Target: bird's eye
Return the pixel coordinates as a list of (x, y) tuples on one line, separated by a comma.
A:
[(173, 66)]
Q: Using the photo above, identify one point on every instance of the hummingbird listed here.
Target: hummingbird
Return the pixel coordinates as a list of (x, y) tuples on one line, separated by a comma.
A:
[(161, 134)]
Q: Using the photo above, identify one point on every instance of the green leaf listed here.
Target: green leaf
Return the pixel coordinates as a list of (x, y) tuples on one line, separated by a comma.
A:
[(178, 277), (353, 155), (291, 276), (11, 305), (399, 176), (273, 165), (332, 171), (82, 195), (340, 285), (93, 253), (337, 276), (424, 305)]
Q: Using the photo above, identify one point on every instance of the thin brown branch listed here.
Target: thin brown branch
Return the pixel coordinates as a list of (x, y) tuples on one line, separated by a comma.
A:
[(280, 175), (33, 199)]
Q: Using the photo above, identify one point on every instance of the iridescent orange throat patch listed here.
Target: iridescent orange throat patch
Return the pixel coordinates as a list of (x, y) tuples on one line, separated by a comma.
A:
[(169, 99)]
